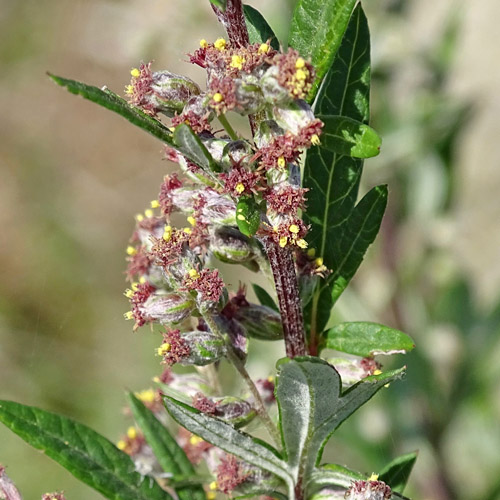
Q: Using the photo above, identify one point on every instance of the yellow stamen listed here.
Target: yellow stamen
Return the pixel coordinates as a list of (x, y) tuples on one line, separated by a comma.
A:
[(194, 440), (377, 372), (121, 445), (128, 315), (263, 49), (315, 140), (191, 220), (218, 97), (239, 188), (128, 293), (167, 233), (163, 349), (281, 162), (193, 274), (302, 243), (131, 250), (283, 241), (270, 378), (142, 280), (220, 44), (139, 217), (134, 286), (318, 262), (146, 396), (203, 43), (211, 495), (135, 73), (148, 213), (373, 477), (129, 89), (300, 74), (294, 228), (300, 63), (311, 253), (132, 432), (187, 230), (155, 204), (237, 62), (213, 485)]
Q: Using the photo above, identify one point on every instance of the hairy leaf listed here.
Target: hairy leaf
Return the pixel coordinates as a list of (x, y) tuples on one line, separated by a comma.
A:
[(229, 439), (316, 32), (264, 298), (397, 472), (170, 455), (366, 339), (333, 179), (89, 456), (190, 145), (259, 30), (345, 136), (331, 475), (108, 99), (312, 406)]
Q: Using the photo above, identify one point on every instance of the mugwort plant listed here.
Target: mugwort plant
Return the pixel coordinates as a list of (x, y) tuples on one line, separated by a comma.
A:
[(280, 199)]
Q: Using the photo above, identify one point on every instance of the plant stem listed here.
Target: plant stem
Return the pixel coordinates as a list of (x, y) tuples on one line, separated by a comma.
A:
[(240, 367), (287, 289), (227, 126), (233, 20)]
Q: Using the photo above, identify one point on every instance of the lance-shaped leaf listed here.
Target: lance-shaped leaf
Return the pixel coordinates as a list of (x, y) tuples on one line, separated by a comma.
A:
[(104, 97), (259, 30), (89, 456), (366, 339), (316, 32), (247, 216), (170, 455), (312, 406), (333, 179), (397, 472), (190, 145), (242, 445), (345, 136), (264, 298)]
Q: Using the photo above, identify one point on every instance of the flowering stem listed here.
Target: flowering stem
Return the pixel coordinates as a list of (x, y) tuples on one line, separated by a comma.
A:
[(227, 126), (233, 20), (240, 367), (287, 289)]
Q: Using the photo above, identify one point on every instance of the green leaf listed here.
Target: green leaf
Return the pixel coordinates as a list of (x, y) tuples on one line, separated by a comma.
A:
[(312, 406), (264, 298), (170, 455), (366, 339), (242, 445), (221, 4), (345, 136), (333, 179), (397, 472), (316, 32), (259, 30), (331, 475), (247, 216), (109, 100), (90, 457), (190, 145)]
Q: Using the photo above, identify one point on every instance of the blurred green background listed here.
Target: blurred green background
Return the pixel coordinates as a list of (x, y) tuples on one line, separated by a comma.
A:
[(73, 176)]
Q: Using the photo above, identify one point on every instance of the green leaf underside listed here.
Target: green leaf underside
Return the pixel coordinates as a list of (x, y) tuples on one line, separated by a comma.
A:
[(316, 32), (190, 145), (264, 298), (346, 136), (337, 224), (170, 455), (397, 472), (366, 339), (90, 457), (229, 439), (311, 407), (247, 216), (259, 30), (109, 100)]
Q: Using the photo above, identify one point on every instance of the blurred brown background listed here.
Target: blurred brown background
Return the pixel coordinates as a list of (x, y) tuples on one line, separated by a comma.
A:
[(73, 175)]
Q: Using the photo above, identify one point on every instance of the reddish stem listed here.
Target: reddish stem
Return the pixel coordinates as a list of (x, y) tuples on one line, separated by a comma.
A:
[(233, 21), (290, 305)]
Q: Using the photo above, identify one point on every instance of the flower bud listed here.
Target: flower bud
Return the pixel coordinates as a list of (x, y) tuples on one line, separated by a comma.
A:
[(229, 245), (205, 348), (273, 92), (368, 490), (248, 95), (260, 322), (234, 411), (293, 115), (167, 309)]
